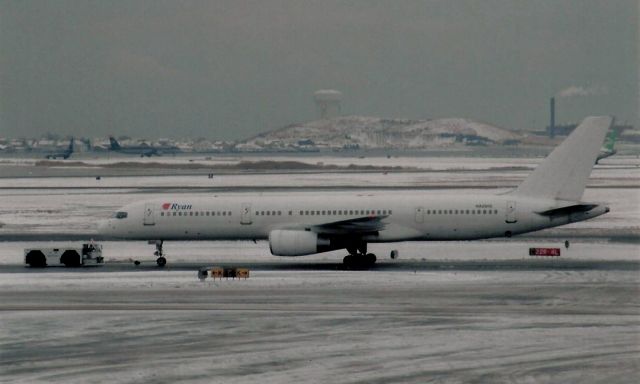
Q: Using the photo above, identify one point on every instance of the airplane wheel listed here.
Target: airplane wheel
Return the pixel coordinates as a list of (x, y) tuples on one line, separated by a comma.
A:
[(359, 261), (161, 261), (348, 261), (370, 258)]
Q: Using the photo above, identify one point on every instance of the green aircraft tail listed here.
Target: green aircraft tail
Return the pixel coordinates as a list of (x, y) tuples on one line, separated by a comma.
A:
[(610, 140)]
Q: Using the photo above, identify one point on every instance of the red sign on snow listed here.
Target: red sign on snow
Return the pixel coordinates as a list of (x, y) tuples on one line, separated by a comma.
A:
[(544, 251)]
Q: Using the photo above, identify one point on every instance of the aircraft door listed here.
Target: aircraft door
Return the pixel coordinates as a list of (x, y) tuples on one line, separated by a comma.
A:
[(245, 214), (511, 212), (149, 214), (419, 215)]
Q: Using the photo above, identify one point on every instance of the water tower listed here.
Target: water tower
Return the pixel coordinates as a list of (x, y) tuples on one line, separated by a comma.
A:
[(328, 103)]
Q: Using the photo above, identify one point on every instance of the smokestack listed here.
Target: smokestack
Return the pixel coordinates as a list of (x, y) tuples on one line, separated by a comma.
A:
[(552, 117)]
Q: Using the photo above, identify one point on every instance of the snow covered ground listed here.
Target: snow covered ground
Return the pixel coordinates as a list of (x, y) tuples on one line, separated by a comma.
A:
[(428, 163), (422, 318), (321, 326), (74, 204)]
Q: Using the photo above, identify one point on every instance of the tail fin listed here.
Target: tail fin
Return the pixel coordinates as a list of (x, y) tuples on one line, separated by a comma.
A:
[(564, 173), (610, 140), (114, 143), (70, 148)]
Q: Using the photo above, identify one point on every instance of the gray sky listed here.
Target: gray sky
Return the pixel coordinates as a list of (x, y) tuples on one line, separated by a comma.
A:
[(230, 69)]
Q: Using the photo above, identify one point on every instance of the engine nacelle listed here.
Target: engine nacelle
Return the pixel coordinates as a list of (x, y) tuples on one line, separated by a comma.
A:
[(297, 243)]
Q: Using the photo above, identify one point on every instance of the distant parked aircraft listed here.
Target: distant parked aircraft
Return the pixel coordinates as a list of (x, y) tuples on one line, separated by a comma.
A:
[(607, 149), (142, 150), (65, 154)]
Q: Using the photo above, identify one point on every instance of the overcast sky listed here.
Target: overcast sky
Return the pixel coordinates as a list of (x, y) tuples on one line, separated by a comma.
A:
[(230, 69)]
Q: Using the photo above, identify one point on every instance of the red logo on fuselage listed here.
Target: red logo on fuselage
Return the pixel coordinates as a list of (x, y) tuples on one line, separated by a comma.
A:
[(176, 206)]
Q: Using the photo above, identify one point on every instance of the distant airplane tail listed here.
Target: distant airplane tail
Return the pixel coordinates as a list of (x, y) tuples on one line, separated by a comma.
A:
[(610, 141), (70, 148), (114, 143), (564, 173)]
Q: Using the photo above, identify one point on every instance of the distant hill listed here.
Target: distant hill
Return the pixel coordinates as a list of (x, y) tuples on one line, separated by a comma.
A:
[(373, 132)]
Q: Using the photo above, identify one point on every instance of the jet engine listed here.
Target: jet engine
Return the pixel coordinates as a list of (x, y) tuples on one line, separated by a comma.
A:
[(297, 243)]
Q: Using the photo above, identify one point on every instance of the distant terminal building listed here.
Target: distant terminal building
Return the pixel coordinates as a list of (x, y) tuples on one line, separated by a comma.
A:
[(328, 103)]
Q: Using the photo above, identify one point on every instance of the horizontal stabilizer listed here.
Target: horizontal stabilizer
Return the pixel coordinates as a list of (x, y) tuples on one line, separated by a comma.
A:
[(568, 210)]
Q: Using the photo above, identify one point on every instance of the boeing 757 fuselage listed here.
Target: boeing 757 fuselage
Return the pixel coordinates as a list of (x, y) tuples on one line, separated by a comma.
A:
[(303, 223)]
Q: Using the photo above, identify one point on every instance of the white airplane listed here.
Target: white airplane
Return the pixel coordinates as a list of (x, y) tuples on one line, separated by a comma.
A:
[(304, 223)]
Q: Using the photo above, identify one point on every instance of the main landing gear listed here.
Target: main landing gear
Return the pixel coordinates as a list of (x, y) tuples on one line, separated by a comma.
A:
[(161, 261), (359, 258)]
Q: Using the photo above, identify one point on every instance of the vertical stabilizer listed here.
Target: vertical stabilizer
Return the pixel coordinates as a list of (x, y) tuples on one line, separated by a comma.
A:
[(564, 173), (610, 141), (114, 143)]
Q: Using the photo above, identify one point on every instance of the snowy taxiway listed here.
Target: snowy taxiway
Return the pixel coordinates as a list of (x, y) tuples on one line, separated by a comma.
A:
[(480, 311)]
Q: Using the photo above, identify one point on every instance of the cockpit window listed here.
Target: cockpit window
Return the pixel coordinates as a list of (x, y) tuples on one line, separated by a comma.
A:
[(120, 215)]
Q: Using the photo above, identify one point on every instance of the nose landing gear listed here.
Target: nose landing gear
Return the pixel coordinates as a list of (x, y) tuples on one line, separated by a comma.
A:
[(161, 260)]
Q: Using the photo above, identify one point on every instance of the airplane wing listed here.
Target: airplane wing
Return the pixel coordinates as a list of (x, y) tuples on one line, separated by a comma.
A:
[(358, 226)]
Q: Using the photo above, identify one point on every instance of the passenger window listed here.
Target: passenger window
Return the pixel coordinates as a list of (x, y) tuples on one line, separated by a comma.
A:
[(174, 213), (484, 211), (324, 213), (439, 211), (161, 213)]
